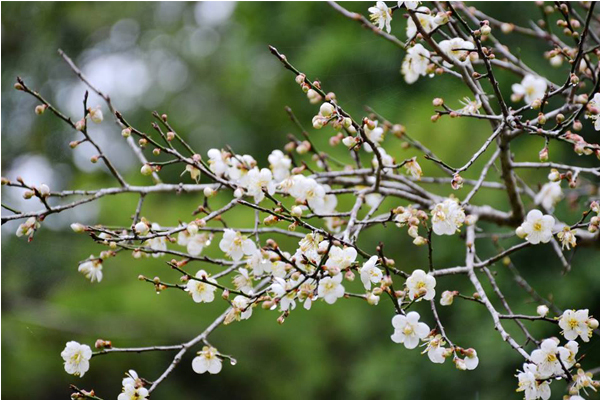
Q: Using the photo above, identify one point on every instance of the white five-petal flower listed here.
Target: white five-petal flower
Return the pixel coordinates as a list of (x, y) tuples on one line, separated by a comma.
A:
[(408, 330), (77, 358)]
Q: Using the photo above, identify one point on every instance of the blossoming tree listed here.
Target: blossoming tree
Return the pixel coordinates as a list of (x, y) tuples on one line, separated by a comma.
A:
[(295, 194)]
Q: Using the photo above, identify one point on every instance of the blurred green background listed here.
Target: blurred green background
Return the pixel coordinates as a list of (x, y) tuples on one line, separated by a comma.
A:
[(208, 67)]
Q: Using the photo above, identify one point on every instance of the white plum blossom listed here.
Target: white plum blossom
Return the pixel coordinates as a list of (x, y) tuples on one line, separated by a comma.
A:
[(447, 217), (594, 103), (133, 388), (217, 161), (381, 15), (330, 288), (447, 298), (158, 243), (549, 195), (569, 357), (370, 273), (240, 309), (542, 310), (420, 285), (536, 228), (196, 243), (259, 264), (531, 385), (408, 330), (546, 358), (207, 360), (415, 63), (77, 358), (280, 165), (575, 324), (414, 169), (376, 134), (141, 228), (471, 359), (243, 281), (435, 349), (410, 5), (235, 245), (284, 294), (96, 114), (458, 50), (340, 259), (531, 88), (201, 292), (567, 238), (91, 269), (257, 180), (425, 18), (28, 227)]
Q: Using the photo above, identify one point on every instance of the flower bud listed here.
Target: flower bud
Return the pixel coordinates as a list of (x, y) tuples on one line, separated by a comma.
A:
[(126, 132), (39, 110), (96, 115), (447, 298), (372, 299), (542, 310), (438, 102), (18, 86), (209, 192), (146, 170), (327, 109), (170, 136), (521, 232), (419, 241), (238, 193), (296, 211), (77, 227), (141, 228), (44, 190), (507, 28), (592, 323), (554, 175), (486, 30), (543, 154), (28, 194), (317, 121), (80, 125)]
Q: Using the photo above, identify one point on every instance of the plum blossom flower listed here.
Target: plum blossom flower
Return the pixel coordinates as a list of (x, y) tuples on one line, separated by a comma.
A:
[(447, 217), (567, 238), (370, 273), (420, 285), (235, 245), (376, 134), (529, 383), (96, 114), (435, 349), (77, 358), (282, 290), (471, 359), (457, 49), (408, 330), (196, 243), (340, 259), (410, 5), (217, 161), (415, 63), (280, 165), (240, 309), (28, 227), (207, 360), (331, 288), (259, 264), (575, 324), (550, 194), (594, 103), (536, 228), (258, 180), (426, 20), (133, 388), (381, 15), (447, 298), (414, 169), (243, 281), (546, 358), (91, 269), (531, 88), (201, 292)]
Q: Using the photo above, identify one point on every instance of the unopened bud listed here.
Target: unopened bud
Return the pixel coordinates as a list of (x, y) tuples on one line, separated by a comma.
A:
[(146, 170), (39, 110)]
